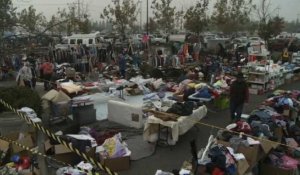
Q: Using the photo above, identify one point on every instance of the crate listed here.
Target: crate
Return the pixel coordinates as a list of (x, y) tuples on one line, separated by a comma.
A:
[(84, 114)]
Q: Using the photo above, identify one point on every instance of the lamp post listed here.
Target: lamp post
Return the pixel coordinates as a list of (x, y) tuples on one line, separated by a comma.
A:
[(147, 17)]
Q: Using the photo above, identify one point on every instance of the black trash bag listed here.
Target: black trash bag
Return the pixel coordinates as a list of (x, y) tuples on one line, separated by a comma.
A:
[(182, 109)]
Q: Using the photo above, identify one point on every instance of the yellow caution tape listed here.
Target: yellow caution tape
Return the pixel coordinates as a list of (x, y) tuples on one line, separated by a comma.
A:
[(58, 139), (36, 152)]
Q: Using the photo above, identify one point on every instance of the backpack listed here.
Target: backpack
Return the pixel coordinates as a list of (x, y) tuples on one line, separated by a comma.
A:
[(48, 68)]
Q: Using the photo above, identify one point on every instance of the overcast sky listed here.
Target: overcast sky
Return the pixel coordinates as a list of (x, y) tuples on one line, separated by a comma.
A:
[(289, 9)]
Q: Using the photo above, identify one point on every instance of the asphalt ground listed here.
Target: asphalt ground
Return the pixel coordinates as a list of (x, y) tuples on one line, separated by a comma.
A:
[(172, 157)]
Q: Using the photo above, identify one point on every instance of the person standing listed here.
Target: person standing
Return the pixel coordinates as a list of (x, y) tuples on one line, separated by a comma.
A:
[(239, 95), (24, 76), (196, 52), (47, 70), (285, 56), (122, 65)]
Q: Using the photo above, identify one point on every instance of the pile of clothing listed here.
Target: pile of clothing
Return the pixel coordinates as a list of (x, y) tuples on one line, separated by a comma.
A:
[(217, 159), (31, 114), (270, 121)]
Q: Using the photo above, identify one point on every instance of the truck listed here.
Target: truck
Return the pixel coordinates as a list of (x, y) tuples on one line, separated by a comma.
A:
[(177, 38), (92, 39)]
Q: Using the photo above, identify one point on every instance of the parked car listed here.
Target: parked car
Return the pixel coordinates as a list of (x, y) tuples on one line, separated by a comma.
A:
[(241, 42), (280, 44), (209, 37), (295, 45), (159, 39), (177, 38), (256, 41)]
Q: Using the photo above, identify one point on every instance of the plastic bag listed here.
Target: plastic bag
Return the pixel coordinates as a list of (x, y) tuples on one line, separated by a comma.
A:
[(114, 146)]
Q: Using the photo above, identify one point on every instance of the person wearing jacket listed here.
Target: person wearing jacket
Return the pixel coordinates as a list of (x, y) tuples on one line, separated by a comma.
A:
[(47, 69), (122, 65), (239, 95), (25, 75)]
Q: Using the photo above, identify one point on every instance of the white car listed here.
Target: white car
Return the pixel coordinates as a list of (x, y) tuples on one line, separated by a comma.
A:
[(256, 41), (159, 39)]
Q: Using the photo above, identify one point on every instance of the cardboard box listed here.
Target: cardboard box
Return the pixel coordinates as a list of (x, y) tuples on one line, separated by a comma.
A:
[(26, 141), (117, 164), (242, 167), (266, 169), (268, 145), (64, 154), (61, 153), (251, 153), (4, 146)]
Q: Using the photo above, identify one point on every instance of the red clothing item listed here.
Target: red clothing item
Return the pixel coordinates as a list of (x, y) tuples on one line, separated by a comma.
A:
[(47, 68), (217, 171)]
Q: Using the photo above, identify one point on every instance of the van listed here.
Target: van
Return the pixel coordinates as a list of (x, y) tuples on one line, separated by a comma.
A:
[(93, 39)]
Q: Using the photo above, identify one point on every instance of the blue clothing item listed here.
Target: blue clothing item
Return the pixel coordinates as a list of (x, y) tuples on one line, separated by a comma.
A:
[(152, 96), (122, 62), (203, 93), (285, 102)]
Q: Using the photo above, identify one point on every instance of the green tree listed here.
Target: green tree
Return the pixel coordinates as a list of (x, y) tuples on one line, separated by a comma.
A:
[(152, 26), (273, 27), (292, 27), (7, 16), (85, 25), (68, 21), (179, 19), (31, 21), (230, 16), (7, 22), (269, 26), (164, 14), (121, 15), (196, 17)]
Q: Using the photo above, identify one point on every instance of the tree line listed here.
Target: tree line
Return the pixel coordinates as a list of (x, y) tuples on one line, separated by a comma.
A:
[(227, 16)]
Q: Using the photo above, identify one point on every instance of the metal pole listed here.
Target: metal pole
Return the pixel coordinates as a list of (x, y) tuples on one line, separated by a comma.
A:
[(141, 16), (147, 17), (79, 9)]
